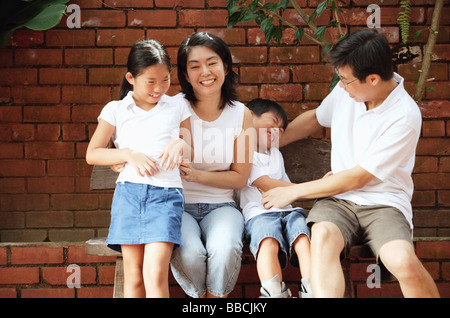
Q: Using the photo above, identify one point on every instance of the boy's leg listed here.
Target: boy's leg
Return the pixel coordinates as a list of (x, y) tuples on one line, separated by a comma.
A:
[(267, 263), (133, 257), (156, 269), (400, 259)]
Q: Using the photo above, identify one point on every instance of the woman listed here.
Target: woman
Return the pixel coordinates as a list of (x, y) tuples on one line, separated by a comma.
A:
[(208, 261)]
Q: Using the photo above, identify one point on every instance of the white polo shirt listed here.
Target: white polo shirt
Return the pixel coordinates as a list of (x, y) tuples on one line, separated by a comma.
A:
[(269, 164), (382, 141), (148, 132)]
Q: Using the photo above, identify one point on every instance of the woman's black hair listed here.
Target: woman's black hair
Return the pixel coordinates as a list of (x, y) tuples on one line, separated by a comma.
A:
[(365, 52), (260, 106), (142, 55), (229, 92)]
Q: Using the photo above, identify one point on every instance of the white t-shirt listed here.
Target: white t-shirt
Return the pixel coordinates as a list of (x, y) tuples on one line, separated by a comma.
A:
[(270, 164), (382, 141), (213, 143), (148, 132)]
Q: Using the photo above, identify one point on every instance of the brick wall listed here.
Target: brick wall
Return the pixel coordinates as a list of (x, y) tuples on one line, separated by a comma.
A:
[(41, 270), (54, 84)]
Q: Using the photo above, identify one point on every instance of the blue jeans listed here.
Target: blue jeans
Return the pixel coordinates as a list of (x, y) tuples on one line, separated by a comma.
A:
[(209, 258), (285, 227)]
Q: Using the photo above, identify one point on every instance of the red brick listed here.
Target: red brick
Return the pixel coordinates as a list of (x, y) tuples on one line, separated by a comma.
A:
[(22, 168), (129, 3), (85, 113), (77, 255), (434, 128), (230, 36), (10, 114), (86, 94), (441, 90), (429, 181), (62, 76), (12, 185), (280, 93), (203, 18), (48, 293), (3, 256), (19, 275), (59, 275), (16, 132), (49, 150), (106, 275), (11, 151), (179, 3), (249, 55), (36, 94), (426, 164), (51, 185), (268, 74), (70, 38), (36, 255), (60, 168), (27, 38), (38, 57), (424, 198), (433, 250), (74, 132), (102, 18), (89, 56), (444, 198), (18, 76), (95, 292), (152, 18), (106, 75), (74, 201), (308, 54), (119, 37), (48, 114), (8, 293), (167, 37), (312, 73), (316, 91), (47, 132), (433, 146)]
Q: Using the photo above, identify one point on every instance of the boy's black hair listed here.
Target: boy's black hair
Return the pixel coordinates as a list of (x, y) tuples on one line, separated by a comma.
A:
[(260, 106), (365, 52), (213, 42)]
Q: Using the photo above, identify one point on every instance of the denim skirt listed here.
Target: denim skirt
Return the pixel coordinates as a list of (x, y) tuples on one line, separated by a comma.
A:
[(143, 213)]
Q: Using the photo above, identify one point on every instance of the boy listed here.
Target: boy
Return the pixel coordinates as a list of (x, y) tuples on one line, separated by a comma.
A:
[(274, 234)]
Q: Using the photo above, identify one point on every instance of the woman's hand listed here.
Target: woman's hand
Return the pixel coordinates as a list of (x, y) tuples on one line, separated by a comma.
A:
[(188, 172)]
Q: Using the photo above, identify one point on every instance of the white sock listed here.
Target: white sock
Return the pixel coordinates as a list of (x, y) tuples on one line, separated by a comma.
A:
[(273, 285), (307, 284)]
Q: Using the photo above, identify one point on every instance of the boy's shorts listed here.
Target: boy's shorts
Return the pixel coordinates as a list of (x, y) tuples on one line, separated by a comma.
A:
[(372, 225), (285, 227)]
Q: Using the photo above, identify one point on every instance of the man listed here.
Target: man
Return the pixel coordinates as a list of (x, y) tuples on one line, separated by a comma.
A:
[(375, 126)]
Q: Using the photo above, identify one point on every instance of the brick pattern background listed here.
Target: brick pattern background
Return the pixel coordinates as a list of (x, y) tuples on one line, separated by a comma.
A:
[(54, 83), (40, 270)]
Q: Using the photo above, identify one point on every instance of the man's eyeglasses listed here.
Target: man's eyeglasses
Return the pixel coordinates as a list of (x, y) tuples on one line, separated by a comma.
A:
[(345, 83)]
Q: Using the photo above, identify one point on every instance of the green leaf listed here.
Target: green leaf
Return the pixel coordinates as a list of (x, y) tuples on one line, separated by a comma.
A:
[(48, 18), (299, 33), (321, 7), (320, 31), (416, 36)]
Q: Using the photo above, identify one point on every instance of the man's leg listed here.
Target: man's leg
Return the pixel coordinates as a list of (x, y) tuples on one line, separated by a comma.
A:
[(327, 277), (400, 259)]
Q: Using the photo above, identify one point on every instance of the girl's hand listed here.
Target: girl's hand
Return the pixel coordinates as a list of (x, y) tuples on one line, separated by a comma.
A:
[(172, 155), (117, 167), (144, 165)]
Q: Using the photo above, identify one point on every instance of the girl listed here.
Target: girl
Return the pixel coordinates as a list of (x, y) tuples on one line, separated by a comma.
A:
[(148, 202), (209, 260)]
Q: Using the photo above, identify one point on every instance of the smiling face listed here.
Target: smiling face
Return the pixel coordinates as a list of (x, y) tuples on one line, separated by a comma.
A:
[(150, 85), (269, 128), (205, 71)]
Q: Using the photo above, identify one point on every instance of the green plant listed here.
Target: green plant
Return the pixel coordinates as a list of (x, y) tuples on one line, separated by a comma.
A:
[(32, 14), (263, 13)]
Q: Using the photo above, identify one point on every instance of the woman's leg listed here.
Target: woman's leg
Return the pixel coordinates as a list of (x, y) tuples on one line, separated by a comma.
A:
[(223, 229), (188, 261)]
